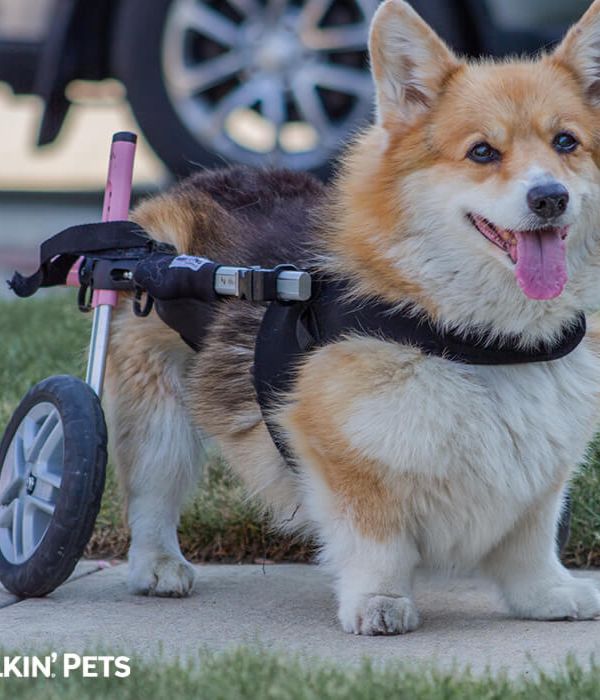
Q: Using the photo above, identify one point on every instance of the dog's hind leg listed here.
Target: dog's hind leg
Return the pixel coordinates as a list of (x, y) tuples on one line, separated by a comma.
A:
[(533, 581), (156, 449)]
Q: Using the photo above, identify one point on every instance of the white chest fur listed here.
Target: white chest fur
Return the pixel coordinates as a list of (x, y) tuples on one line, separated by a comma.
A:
[(490, 439)]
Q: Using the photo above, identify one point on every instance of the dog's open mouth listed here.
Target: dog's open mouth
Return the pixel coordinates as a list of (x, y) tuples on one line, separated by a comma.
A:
[(539, 255)]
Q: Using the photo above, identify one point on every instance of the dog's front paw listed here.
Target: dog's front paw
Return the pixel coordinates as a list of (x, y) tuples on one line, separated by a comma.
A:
[(165, 575), (575, 599), (380, 614)]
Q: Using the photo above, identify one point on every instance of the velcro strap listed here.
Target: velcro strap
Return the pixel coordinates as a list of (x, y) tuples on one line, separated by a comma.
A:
[(59, 253)]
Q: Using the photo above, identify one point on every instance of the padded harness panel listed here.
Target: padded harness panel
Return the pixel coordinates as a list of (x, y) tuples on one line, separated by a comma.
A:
[(289, 331)]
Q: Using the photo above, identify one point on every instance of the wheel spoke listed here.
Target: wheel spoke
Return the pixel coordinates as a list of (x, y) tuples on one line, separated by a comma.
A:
[(48, 450), (41, 504), (7, 514), (28, 432), (273, 103), (349, 81), (312, 13), (28, 532), (208, 22), (37, 442), (11, 491), (18, 456), (245, 95), (209, 73), (310, 106), (367, 8), (12, 471), (17, 528)]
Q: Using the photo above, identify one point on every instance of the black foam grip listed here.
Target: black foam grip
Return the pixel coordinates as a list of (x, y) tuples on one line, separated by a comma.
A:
[(167, 277)]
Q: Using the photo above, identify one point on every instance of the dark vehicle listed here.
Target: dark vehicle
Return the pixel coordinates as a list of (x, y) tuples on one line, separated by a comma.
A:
[(280, 82)]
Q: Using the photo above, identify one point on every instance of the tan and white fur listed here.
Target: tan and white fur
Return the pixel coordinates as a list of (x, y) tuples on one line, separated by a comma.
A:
[(404, 460)]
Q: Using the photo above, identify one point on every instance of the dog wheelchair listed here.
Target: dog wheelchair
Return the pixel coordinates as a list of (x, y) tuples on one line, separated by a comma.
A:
[(54, 451)]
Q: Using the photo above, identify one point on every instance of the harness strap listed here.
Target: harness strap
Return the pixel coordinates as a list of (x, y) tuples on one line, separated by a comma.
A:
[(58, 254), (331, 315), (289, 332)]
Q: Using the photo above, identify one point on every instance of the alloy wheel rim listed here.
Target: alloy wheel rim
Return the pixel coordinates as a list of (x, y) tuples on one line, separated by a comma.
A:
[(277, 82), (30, 481)]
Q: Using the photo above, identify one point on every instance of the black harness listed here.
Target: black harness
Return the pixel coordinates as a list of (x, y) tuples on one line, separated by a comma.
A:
[(121, 256), (289, 331)]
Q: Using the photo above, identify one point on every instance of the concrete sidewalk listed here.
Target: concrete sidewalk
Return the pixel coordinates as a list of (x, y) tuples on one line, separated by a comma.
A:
[(290, 608)]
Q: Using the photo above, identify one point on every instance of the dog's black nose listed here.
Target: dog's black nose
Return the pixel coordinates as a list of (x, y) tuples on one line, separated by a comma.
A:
[(548, 201)]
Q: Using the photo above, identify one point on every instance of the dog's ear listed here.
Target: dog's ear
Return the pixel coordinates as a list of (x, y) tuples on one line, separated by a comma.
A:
[(409, 62), (580, 52)]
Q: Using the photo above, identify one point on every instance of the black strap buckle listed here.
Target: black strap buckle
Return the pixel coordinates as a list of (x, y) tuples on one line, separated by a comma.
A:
[(86, 285), (139, 310), (84, 300), (259, 283)]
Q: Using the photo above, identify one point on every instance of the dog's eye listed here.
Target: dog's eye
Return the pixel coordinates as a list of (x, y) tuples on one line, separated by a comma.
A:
[(565, 142), (483, 153)]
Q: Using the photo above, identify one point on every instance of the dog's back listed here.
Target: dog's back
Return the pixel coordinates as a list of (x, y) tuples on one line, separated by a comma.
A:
[(237, 215)]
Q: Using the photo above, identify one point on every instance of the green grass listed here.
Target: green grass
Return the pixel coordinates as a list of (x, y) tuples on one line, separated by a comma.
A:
[(38, 338), (49, 336), (584, 545), (252, 675)]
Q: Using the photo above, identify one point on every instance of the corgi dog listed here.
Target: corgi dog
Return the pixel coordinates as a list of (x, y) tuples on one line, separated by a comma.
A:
[(474, 198)]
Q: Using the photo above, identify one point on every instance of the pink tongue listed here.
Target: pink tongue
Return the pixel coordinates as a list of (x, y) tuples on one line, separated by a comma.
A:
[(541, 266)]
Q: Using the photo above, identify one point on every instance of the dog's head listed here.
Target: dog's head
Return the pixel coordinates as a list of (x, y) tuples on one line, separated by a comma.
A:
[(484, 174)]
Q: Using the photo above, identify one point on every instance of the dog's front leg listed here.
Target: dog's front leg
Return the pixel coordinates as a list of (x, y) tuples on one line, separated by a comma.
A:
[(374, 581), (360, 514), (361, 519), (363, 509), (533, 581)]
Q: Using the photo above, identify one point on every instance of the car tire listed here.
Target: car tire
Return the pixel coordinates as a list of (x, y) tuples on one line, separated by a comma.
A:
[(137, 62), (137, 58)]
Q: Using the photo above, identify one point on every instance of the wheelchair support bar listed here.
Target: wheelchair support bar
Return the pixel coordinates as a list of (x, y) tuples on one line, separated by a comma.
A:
[(169, 277), (117, 196)]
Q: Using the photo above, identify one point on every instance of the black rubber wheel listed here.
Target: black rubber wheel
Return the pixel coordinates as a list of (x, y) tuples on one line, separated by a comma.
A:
[(52, 472)]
